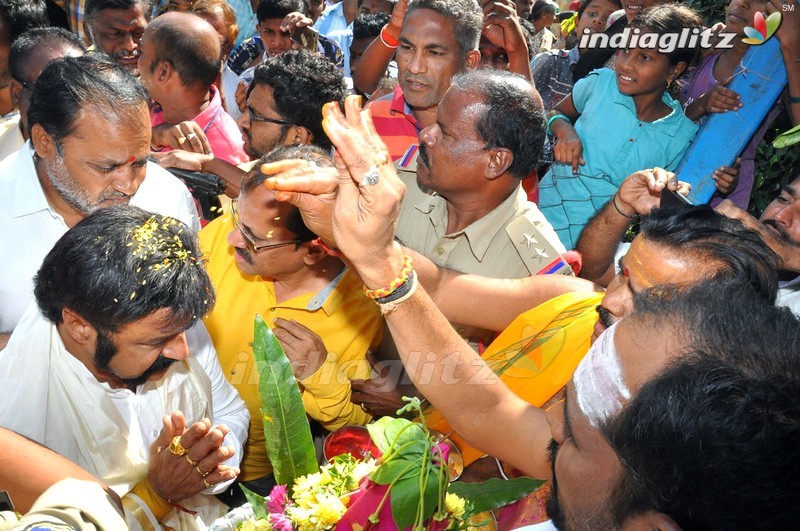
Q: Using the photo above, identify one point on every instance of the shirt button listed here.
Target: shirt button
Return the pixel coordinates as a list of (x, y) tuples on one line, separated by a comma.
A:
[(630, 140), (462, 332), (155, 433), (272, 309), (439, 251)]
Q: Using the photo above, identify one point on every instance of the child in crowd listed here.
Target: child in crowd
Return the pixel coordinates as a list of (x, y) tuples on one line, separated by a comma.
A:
[(624, 121), (552, 71), (705, 92)]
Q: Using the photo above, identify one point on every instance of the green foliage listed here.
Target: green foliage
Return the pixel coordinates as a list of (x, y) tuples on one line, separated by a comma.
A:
[(495, 493), (775, 167), (712, 11), (257, 502), (288, 434)]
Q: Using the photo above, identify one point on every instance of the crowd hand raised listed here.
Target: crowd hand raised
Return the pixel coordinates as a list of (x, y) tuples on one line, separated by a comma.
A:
[(176, 475), (181, 159), (395, 25), (310, 188), (721, 99), (727, 177), (501, 25), (186, 135), (368, 202), (304, 348), (295, 20), (641, 191)]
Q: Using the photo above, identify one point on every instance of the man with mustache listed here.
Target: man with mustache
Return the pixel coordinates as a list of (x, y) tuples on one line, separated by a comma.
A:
[(263, 260), (779, 226), (89, 129), (115, 27), (665, 404), (105, 369)]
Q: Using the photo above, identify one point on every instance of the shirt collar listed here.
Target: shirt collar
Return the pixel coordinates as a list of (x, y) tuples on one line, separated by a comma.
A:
[(479, 234), (26, 190), (573, 55), (329, 298), (399, 105)]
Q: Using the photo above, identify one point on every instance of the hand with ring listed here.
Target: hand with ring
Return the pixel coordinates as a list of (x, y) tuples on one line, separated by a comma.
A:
[(187, 136), (194, 458)]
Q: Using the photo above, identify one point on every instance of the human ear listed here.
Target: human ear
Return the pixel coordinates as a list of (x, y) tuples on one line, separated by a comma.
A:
[(301, 135), (314, 254), (500, 161), (42, 142), (473, 59), (78, 328), (675, 71)]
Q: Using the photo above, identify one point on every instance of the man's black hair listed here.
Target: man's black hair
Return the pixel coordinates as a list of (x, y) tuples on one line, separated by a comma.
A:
[(466, 15), (512, 116), (714, 440), (274, 9), (71, 84), (19, 16), (29, 43), (368, 25), (723, 246), (302, 82), (309, 152), (119, 265)]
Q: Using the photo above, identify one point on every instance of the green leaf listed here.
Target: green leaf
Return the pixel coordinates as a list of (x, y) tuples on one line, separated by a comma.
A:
[(407, 496), (788, 138), (286, 429), (494, 493), (257, 502), (395, 469), (393, 434)]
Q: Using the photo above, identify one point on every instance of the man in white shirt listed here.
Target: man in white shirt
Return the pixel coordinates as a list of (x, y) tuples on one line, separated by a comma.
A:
[(89, 148), (104, 371)]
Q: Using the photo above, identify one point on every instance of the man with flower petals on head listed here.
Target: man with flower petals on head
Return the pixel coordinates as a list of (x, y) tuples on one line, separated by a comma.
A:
[(109, 369), (89, 144)]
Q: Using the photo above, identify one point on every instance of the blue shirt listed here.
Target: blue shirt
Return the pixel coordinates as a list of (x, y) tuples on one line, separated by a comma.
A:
[(615, 144)]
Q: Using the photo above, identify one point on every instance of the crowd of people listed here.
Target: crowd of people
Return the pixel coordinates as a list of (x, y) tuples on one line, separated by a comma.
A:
[(459, 200)]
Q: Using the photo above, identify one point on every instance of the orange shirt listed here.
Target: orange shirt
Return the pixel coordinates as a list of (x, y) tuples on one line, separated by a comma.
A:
[(393, 120)]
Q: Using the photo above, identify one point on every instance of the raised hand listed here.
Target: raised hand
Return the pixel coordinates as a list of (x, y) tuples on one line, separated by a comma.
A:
[(185, 135)]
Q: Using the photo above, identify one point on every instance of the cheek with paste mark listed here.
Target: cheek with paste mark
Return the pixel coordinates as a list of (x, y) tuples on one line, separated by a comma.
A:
[(131, 160)]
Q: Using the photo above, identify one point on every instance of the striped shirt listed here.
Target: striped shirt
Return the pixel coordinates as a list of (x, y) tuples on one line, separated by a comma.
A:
[(394, 122)]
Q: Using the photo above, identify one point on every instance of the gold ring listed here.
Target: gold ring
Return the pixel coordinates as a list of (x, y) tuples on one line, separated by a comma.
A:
[(181, 140), (363, 406), (191, 461), (158, 450), (382, 158), (204, 474), (207, 484), (177, 448)]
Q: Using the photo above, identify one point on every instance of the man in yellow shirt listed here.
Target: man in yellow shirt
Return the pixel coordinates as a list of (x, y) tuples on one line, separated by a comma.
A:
[(263, 260)]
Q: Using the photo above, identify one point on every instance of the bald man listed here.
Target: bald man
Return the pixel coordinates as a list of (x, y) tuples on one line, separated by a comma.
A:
[(178, 65)]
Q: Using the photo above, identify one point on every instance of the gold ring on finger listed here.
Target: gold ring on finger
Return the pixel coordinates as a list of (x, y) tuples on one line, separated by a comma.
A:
[(204, 474), (191, 461), (181, 140), (207, 484), (176, 447)]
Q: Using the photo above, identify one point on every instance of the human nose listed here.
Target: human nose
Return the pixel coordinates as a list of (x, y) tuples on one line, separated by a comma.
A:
[(177, 348), (618, 297), (417, 63), (129, 42), (128, 182), (429, 135), (785, 216), (236, 239), (555, 418)]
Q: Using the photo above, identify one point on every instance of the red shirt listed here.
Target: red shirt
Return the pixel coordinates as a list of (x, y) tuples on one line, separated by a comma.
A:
[(393, 120)]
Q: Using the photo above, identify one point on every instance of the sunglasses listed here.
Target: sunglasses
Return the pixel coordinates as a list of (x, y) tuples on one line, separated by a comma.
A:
[(254, 245)]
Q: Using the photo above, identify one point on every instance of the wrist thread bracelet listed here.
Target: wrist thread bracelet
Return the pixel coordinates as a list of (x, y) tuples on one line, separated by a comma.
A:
[(394, 285), (620, 212), (794, 99), (389, 304), (388, 40), (553, 118)]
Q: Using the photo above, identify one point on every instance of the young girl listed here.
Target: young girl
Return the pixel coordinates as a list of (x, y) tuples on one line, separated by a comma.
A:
[(624, 121), (704, 91), (552, 71)]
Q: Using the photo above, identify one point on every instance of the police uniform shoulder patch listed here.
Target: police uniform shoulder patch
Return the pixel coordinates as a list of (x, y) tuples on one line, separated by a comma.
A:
[(536, 252)]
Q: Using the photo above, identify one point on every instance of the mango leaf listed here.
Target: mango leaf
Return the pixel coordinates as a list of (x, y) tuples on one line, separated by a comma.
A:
[(406, 498), (257, 502), (788, 138), (395, 469), (387, 431), (286, 429), (494, 493)]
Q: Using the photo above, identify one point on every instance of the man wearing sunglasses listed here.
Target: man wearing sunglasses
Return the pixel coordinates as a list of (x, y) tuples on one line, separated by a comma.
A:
[(284, 106), (262, 259)]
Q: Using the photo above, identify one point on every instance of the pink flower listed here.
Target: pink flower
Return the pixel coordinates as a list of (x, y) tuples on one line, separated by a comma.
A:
[(280, 522), (277, 500)]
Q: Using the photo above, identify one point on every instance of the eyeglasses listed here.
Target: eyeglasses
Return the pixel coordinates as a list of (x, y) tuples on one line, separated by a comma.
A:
[(256, 118), (250, 241)]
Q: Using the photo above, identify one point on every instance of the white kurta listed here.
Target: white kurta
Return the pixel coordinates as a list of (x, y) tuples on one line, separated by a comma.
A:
[(29, 227), (48, 395)]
